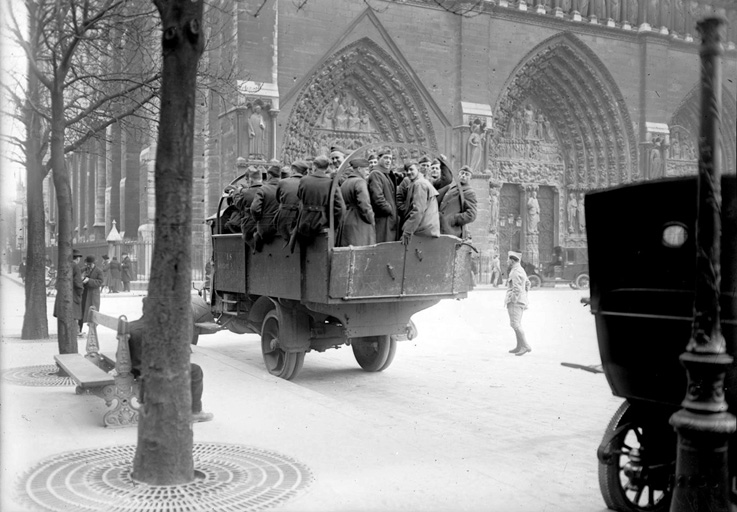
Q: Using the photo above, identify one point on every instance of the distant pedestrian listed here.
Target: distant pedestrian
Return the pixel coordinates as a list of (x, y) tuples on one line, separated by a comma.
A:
[(126, 272), (92, 281), (105, 273), (516, 301), (496, 271), (115, 275)]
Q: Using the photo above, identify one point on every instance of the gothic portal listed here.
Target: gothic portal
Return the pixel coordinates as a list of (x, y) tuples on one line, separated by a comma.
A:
[(561, 129), (359, 95)]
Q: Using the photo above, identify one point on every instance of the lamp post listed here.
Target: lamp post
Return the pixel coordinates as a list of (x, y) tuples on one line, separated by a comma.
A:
[(703, 424)]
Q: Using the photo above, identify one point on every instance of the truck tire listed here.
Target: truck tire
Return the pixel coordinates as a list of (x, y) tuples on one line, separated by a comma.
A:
[(279, 363), (374, 353)]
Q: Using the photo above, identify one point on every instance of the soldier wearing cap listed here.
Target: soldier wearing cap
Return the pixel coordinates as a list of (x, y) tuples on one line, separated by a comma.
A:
[(373, 160), (516, 300), (230, 219), (458, 205), (337, 156), (286, 196), (264, 208), (358, 223), (248, 223), (422, 206), (382, 192), (314, 200)]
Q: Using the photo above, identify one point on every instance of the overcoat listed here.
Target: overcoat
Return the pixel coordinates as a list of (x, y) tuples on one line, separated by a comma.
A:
[(126, 272), (422, 209), (243, 202), (286, 196), (358, 223), (455, 213), (91, 293), (383, 201), (314, 193), (115, 273), (264, 208)]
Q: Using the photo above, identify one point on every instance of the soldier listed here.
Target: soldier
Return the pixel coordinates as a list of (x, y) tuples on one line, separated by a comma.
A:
[(424, 163), (337, 156), (244, 201), (422, 207), (358, 224), (383, 198), (286, 196), (458, 205), (314, 200), (264, 208)]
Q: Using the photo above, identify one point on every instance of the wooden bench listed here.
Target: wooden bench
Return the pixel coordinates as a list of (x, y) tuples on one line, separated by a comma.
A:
[(91, 372)]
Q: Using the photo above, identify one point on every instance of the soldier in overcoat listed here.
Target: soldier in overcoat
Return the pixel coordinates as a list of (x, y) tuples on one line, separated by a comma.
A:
[(264, 208), (286, 196), (358, 223), (314, 200), (92, 281), (382, 192), (458, 205), (422, 207), (244, 201)]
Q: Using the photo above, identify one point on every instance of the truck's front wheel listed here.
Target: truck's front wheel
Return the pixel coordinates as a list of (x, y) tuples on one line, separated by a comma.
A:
[(374, 353), (279, 362)]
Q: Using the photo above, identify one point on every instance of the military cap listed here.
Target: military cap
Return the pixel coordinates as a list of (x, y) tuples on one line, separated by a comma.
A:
[(274, 170), (337, 149), (424, 159), (300, 165), (358, 163), (321, 162), (385, 151), (515, 255)]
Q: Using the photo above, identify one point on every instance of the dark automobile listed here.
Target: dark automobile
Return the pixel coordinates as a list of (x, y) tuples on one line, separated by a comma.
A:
[(568, 266)]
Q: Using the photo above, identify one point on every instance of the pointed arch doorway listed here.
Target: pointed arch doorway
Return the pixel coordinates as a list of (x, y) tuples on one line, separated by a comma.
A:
[(358, 95)]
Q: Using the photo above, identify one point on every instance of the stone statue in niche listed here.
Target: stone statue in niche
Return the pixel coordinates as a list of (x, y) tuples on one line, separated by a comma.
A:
[(341, 117), (540, 128), (530, 123), (632, 7), (533, 212), (354, 121), (494, 190), (572, 211), (613, 10), (364, 122), (476, 144), (581, 213), (256, 132), (583, 7), (656, 159), (328, 116), (513, 127)]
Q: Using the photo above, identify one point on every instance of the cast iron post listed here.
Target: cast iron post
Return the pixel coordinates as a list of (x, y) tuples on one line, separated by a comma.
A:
[(703, 424)]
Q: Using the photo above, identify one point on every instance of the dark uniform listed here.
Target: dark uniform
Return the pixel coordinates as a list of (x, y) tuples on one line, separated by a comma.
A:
[(264, 208), (383, 201), (248, 223), (286, 196), (314, 199), (358, 223)]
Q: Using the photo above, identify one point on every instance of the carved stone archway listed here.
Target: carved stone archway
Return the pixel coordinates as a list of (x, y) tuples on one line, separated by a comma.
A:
[(562, 122), (359, 95), (684, 132)]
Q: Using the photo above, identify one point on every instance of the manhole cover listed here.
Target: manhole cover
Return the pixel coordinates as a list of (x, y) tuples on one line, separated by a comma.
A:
[(228, 478), (44, 375)]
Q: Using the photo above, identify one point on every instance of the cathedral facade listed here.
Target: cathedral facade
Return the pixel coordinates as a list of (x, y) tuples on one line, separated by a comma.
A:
[(543, 99)]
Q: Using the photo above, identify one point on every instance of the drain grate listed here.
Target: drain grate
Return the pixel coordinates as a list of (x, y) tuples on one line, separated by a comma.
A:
[(229, 478), (44, 375)]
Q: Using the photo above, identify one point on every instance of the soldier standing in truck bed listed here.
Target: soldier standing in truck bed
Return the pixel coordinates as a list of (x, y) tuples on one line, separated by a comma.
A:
[(248, 223), (264, 208), (314, 200), (286, 196)]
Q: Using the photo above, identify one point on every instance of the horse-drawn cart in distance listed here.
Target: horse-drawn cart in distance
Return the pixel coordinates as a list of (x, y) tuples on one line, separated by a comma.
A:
[(642, 263), (321, 296)]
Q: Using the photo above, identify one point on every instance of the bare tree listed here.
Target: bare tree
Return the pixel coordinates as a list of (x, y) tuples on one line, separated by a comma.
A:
[(164, 451), (78, 85)]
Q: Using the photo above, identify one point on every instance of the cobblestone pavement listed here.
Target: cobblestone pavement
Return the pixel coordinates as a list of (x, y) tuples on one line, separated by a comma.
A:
[(456, 423)]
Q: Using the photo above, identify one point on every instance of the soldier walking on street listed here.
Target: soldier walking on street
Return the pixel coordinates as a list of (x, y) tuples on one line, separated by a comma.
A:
[(516, 301)]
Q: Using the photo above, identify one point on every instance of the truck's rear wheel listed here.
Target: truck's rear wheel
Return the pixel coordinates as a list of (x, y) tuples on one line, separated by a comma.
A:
[(280, 363), (374, 353)]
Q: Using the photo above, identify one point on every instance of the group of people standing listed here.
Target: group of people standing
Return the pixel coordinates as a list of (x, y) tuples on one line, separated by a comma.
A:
[(116, 275), (376, 201), (88, 280)]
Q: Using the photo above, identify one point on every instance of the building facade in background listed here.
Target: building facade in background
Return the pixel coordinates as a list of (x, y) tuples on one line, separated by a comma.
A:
[(545, 100)]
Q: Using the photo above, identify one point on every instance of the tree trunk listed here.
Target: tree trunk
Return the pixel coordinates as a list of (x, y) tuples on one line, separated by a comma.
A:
[(35, 325), (164, 451), (66, 324)]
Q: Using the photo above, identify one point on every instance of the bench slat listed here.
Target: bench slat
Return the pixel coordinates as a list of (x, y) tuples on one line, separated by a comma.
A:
[(83, 371), (111, 322)]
